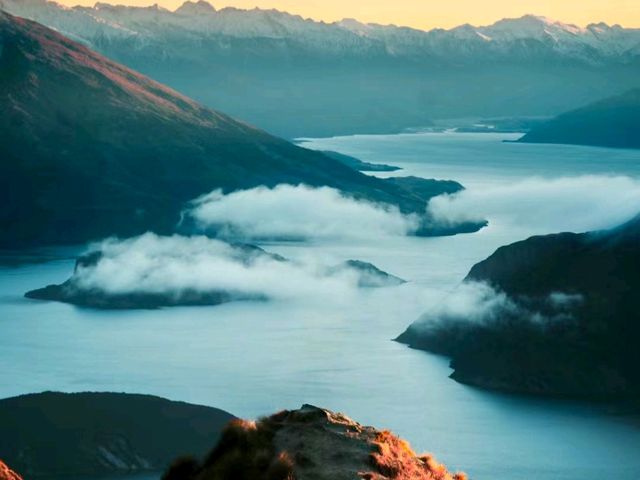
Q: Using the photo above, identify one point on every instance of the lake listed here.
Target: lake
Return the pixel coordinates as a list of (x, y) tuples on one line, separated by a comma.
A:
[(337, 351)]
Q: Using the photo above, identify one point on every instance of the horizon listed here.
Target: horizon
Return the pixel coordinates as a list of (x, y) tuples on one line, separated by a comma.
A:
[(414, 14)]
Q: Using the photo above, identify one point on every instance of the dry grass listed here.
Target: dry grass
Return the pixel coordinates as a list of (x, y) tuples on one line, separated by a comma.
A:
[(7, 474), (394, 458)]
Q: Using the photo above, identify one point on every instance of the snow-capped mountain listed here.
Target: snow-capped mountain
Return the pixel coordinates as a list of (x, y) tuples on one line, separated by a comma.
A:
[(297, 76), (200, 19)]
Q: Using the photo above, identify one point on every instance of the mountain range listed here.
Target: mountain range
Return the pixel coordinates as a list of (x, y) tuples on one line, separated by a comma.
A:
[(90, 148), (298, 77)]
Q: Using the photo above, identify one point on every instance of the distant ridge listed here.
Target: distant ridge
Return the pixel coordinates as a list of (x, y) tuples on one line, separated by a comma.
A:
[(612, 122)]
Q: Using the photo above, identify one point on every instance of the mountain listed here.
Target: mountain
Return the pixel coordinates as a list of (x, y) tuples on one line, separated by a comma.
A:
[(613, 122), (309, 444), (91, 434), (560, 319), (297, 77), (89, 148)]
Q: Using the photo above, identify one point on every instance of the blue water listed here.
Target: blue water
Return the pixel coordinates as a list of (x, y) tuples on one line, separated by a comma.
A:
[(255, 358)]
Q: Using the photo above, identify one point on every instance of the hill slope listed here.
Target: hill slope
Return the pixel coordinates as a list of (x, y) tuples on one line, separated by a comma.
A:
[(88, 434), (613, 122), (562, 318), (89, 148)]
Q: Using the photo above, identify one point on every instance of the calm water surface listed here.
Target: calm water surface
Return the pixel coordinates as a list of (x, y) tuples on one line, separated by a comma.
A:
[(252, 359)]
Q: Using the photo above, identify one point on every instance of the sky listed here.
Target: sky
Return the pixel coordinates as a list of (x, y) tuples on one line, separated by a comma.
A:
[(427, 14)]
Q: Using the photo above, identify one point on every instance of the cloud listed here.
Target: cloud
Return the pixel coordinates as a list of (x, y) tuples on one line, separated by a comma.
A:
[(179, 265), (544, 205), (296, 213), (477, 304), (473, 302)]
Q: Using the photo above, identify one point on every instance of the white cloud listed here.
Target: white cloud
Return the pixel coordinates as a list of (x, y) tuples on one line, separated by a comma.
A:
[(544, 205), (477, 303), (297, 213), (177, 264), (473, 302)]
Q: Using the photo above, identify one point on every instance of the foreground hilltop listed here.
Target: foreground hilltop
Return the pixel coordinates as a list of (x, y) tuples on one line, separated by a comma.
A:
[(552, 315), (309, 444), (90, 148), (612, 122)]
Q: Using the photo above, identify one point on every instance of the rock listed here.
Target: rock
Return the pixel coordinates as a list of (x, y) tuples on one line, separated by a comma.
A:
[(309, 444)]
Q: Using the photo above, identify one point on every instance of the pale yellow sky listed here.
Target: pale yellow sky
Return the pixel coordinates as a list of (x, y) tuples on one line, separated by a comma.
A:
[(428, 14)]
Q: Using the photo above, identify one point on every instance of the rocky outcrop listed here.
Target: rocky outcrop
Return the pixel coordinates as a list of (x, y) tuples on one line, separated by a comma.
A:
[(309, 444), (7, 474), (86, 434), (557, 316)]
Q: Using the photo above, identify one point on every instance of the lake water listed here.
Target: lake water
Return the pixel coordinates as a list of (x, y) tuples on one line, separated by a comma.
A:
[(255, 358)]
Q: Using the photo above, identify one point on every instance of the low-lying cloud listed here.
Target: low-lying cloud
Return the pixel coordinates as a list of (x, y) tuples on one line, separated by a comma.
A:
[(295, 213), (176, 265), (545, 205), (477, 304)]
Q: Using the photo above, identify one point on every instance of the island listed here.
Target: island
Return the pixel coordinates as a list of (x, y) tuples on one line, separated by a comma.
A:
[(76, 291)]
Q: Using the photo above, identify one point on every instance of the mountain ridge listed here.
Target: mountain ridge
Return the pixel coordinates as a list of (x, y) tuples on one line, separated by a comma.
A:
[(91, 148)]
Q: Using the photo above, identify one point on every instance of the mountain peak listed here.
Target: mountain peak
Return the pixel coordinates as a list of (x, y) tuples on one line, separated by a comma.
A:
[(353, 25), (195, 8), (109, 6), (528, 23)]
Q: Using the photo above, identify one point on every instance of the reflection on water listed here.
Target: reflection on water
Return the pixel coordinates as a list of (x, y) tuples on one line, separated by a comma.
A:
[(335, 350)]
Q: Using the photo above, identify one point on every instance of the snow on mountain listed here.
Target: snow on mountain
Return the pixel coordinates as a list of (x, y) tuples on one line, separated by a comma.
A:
[(105, 22)]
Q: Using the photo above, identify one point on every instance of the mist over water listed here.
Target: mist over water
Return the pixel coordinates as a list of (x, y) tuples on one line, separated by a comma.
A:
[(335, 350)]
